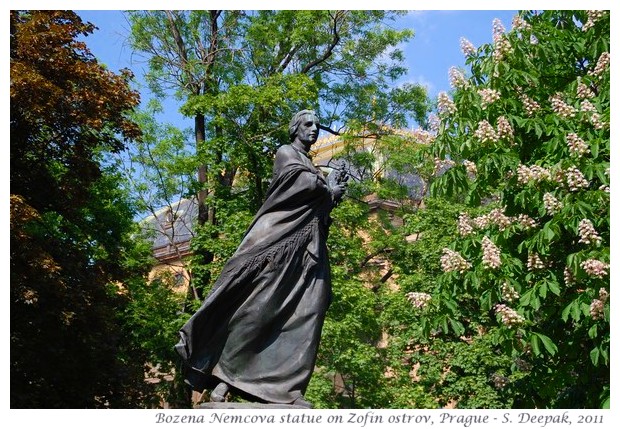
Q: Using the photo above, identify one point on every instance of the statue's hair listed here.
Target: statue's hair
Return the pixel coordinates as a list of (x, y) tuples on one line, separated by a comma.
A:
[(296, 121)]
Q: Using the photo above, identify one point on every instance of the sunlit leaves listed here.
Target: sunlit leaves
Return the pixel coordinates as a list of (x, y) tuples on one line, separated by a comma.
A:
[(554, 169)]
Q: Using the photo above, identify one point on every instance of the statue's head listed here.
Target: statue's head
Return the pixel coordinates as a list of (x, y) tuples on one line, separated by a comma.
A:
[(298, 119)]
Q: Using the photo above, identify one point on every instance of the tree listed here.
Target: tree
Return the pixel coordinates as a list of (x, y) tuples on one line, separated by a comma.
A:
[(242, 75), (189, 53), (343, 64), (527, 135), (71, 225)]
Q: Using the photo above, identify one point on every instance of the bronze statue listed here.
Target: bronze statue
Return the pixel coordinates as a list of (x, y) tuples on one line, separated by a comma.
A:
[(258, 331)]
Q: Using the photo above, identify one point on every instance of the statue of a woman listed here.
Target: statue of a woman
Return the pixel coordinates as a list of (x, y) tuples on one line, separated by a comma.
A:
[(258, 331)]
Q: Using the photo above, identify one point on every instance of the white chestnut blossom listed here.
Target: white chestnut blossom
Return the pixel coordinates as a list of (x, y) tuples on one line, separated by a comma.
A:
[(575, 179), (501, 43), (453, 261), (443, 164), (421, 136), (499, 381), (552, 204), (525, 221), (583, 90), (587, 233), (464, 225), (560, 107), (569, 277), (576, 146), (509, 294), (504, 129), (490, 253), (445, 106), (597, 121), (595, 268), (488, 96), (471, 169), (587, 107), (433, 122), (419, 299), (602, 64), (481, 222), (457, 78), (509, 316), (534, 173), (485, 132), (597, 307), (518, 23), (594, 116), (534, 262), (593, 16), (529, 104), (467, 47), (498, 217)]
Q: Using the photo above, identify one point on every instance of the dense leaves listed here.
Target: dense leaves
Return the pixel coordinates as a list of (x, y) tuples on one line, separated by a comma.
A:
[(243, 74), (65, 108), (494, 293), (527, 134), (71, 226)]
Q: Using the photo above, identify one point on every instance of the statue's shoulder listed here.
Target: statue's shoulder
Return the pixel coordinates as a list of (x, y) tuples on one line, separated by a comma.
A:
[(287, 159), (285, 154), (286, 150)]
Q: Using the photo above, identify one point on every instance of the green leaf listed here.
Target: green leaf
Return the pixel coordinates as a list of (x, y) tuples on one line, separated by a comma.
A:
[(457, 327), (450, 304), (548, 231), (486, 300), (535, 344), (593, 331), (606, 404), (554, 287), (444, 325), (526, 298), (594, 355), (567, 311), (575, 311), (550, 346), (542, 290), (594, 149), (538, 129)]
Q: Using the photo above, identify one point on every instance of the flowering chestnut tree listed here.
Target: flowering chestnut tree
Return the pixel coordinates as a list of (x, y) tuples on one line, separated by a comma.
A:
[(526, 130)]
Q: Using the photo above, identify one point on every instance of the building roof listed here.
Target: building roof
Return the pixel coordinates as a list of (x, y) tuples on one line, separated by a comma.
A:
[(171, 228)]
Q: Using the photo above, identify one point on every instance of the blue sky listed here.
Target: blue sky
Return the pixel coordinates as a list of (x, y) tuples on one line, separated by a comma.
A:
[(429, 55)]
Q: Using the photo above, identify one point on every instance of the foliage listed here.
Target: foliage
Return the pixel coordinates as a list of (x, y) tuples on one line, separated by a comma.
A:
[(55, 134), (222, 239), (465, 369), (160, 168), (488, 299), (242, 74), (529, 129), (71, 224), (152, 320)]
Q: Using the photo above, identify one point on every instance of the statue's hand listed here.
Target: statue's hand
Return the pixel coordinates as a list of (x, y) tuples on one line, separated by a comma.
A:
[(338, 192)]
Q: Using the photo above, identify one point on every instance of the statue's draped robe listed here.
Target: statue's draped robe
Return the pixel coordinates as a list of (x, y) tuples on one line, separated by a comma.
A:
[(259, 328)]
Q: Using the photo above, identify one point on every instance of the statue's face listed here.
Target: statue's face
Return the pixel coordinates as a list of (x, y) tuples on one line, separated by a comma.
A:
[(308, 130)]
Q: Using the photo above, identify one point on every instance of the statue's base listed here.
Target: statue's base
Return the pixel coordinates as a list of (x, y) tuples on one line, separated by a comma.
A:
[(245, 405)]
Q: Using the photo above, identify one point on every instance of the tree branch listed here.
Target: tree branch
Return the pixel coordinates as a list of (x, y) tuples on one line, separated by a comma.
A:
[(330, 49), (287, 59), (180, 43)]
